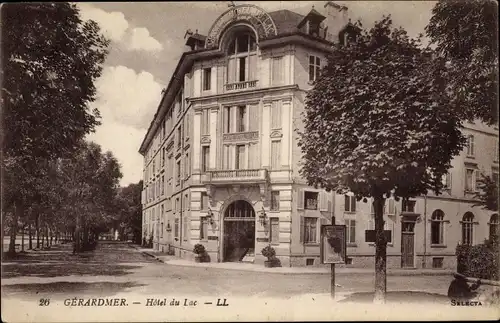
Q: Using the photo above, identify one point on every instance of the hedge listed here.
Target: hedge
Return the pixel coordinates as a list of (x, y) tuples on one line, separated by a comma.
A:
[(479, 261)]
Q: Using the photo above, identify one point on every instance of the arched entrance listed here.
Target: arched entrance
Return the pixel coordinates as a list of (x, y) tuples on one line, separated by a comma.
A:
[(239, 231)]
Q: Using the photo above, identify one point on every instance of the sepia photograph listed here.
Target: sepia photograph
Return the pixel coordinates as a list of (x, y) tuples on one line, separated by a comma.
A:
[(192, 161)]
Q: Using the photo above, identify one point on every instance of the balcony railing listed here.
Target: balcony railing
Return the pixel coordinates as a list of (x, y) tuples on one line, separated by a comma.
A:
[(236, 175), (241, 136), (241, 85)]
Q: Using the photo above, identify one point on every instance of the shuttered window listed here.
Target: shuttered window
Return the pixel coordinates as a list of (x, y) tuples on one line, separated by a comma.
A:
[(240, 157), (207, 78), (276, 115), (253, 156), (205, 122), (277, 71), (300, 199), (205, 158), (275, 154), (227, 120), (253, 117)]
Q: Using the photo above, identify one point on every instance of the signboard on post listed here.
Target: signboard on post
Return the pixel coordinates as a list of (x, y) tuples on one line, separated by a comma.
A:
[(333, 244)]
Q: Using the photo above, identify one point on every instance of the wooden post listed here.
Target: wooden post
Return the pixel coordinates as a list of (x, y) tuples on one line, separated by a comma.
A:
[(332, 280), (332, 285)]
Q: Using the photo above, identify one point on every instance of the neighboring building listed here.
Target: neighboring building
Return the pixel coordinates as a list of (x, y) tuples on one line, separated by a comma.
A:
[(221, 160)]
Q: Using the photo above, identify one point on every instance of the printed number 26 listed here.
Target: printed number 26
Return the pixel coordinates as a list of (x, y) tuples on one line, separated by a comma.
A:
[(44, 302)]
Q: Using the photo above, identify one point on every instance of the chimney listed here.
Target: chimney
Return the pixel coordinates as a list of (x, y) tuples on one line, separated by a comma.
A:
[(336, 18)]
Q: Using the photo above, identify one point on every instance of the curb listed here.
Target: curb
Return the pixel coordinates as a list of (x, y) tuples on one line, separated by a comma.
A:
[(326, 272), (355, 271)]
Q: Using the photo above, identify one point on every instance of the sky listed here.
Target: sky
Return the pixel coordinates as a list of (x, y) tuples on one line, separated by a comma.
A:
[(147, 40)]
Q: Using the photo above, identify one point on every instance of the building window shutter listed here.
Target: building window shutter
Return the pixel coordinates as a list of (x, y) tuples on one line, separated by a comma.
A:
[(253, 117), (231, 71), (252, 67), (300, 199), (301, 229), (323, 202), (391, 207), (276, 71)]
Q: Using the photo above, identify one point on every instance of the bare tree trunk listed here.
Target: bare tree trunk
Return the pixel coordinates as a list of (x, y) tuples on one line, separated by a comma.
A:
[(22, 238), (30, 232), (76, 237), (37, 227), (13, 230), (380, 251)]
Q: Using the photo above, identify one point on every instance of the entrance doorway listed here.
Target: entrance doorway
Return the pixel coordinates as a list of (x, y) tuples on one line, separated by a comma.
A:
[(239, 232), (407, 244)]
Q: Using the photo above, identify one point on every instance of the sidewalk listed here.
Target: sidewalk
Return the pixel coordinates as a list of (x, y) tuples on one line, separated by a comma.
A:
[(175, 261)]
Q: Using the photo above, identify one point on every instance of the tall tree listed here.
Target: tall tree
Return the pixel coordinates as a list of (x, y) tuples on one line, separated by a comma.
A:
[(90, 182), (376, 124), (51, 59), (131, 211), (465, 34), (487, 194)]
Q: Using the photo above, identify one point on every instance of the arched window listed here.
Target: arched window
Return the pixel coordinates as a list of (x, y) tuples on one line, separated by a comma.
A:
[(467, 228), (242, 55), (240, 209), (437, 227), (493, 226)]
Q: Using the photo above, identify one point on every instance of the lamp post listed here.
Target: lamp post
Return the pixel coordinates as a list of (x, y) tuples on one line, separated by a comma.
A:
[(210, 216)]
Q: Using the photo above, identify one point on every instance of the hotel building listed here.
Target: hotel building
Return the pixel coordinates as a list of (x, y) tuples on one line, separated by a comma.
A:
[(221, 160)]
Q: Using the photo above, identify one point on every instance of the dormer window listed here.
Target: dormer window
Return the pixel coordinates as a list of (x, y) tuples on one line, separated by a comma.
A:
[(242, 55), (313, 28), (348, 35), (312, 23)]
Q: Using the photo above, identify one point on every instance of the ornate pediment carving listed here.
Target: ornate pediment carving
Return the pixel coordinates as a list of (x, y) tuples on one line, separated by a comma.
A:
[(205, 139), (276, 133)]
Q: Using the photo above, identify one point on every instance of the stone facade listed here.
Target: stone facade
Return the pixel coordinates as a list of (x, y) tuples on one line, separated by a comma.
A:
[(214, 142)]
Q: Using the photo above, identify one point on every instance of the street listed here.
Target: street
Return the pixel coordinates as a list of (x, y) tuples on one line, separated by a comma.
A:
[(40, 286), (117, 267)]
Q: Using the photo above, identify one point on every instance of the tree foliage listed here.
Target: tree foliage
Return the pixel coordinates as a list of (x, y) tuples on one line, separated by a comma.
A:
[(130, 211), (487, 194), (465, 34), (50, 61), (376, 120)]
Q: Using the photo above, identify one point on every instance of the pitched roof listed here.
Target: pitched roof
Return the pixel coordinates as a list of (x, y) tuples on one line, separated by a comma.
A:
[(286, 21)]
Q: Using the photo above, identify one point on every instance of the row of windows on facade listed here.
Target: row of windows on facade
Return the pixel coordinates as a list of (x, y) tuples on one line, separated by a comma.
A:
[(309, 225), (236, 119), (242, 65), (470, 148), (437, 228), (310, 229)]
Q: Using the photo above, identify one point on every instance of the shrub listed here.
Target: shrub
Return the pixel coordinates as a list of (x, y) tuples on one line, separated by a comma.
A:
[(199, 249), (269, 252), (479, 261)]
